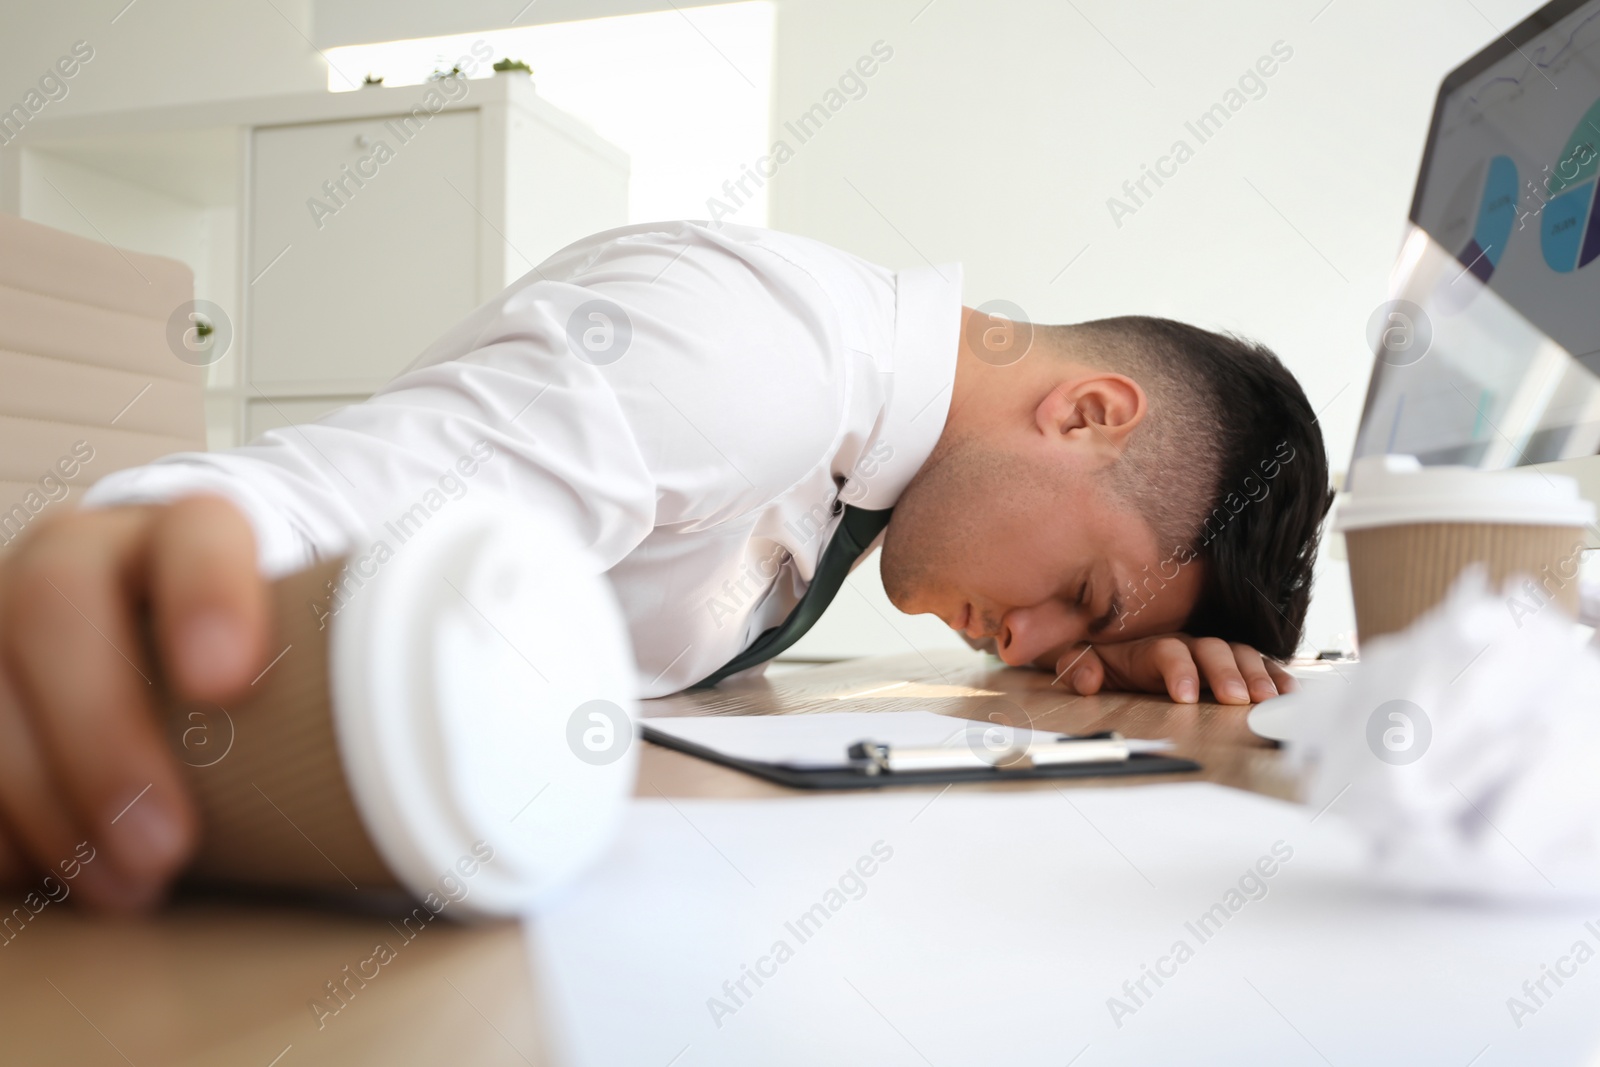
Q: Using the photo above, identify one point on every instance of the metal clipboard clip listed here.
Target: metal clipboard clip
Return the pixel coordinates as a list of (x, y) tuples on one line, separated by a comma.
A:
[(876, 757)]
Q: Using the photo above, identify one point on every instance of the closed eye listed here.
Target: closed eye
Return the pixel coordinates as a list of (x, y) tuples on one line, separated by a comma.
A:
[(1113, 609)]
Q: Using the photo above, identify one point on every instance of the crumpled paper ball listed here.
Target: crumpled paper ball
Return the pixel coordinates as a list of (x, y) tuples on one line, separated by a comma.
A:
[(1466, 751)]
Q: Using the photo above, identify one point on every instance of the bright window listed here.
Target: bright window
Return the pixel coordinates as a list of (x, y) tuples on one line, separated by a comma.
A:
[(686, 93)]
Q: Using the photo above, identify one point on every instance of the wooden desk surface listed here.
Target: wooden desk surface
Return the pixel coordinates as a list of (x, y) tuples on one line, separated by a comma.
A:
[(215, 982)]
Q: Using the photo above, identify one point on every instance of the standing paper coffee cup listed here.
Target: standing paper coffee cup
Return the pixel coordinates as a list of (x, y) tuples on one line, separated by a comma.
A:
[(1411, 530)]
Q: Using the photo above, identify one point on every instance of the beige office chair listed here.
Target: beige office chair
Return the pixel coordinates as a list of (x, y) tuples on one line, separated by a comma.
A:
[(89, 383)]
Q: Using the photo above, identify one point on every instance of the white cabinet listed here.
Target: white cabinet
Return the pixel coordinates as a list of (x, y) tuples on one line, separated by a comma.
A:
[(339, 233), (347, 272)]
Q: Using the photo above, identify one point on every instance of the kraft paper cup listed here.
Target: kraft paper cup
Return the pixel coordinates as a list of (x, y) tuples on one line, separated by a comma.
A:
[(1411, 530), (451, 717)]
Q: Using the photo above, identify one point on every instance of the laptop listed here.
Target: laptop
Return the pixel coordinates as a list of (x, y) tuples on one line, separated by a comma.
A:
[(1487, 352)]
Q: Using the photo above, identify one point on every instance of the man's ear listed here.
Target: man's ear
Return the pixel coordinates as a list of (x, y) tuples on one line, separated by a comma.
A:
[(1097, 411)]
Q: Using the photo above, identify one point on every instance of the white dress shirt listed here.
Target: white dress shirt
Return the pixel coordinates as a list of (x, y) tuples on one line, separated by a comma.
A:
[(701, 442)]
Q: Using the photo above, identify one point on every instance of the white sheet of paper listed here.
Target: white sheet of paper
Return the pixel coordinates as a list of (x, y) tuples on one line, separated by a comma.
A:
[(821, 740), (1020, 928)]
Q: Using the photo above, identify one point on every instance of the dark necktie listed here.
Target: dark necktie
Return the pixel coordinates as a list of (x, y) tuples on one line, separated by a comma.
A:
[(856, 531)]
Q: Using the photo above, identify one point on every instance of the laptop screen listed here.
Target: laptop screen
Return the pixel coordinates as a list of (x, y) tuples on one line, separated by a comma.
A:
[(1488, 350)]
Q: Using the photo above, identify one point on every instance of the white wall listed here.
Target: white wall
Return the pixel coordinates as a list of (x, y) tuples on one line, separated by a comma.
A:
[(91, 204), (997, 132), (170, 52)]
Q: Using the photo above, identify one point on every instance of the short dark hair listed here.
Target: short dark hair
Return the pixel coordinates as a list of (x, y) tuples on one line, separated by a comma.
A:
[(1229, 419)]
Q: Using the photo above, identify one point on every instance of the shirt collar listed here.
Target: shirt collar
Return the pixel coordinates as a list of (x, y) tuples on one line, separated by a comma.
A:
[(921, 378)]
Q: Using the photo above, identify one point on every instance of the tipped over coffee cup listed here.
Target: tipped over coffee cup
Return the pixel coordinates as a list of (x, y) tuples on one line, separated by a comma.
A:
[(451, 717)]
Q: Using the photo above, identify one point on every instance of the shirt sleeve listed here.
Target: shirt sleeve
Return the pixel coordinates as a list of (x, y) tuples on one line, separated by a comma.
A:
[(513, 414), (630, 382)]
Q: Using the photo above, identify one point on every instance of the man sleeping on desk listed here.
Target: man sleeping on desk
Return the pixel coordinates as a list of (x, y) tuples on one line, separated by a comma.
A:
[(730, 418)]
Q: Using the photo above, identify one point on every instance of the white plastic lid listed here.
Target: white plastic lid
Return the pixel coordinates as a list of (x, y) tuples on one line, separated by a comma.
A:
[(1398, 490), (484, 702)]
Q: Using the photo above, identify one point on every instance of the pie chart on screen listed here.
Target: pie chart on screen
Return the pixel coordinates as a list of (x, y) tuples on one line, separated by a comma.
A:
[(1488, 199), (1569, 225)]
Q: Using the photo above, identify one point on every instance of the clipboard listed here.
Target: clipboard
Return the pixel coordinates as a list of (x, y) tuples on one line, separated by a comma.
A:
[(864, 764)]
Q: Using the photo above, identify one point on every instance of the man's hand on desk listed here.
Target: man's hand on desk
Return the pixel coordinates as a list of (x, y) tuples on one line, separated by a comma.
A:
[(82, 754), (1176, 664)]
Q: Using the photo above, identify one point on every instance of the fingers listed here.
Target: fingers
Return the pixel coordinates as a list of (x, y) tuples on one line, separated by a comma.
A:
[(1175, 667), (37, 826), (72, 647), (1253, 669), (209, 603), (42, 830), (1281, 678), (1083, 670), (1235, 673), (1148, 665), (1220, 668)]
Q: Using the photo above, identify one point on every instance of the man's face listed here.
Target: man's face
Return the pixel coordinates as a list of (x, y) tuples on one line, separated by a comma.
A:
[(1039, 557)]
